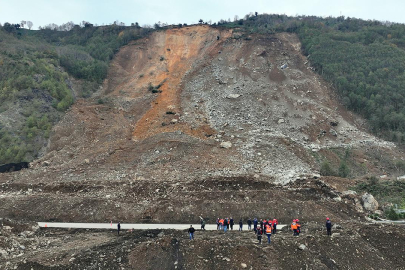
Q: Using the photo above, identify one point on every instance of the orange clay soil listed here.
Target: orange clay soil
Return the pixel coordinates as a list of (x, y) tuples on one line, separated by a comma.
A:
[(177, 51)]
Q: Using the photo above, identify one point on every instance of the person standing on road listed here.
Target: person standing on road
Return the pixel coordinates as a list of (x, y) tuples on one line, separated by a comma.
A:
[(191, 231), (240, 224), (226, 224), (328, 227), (275, 225), (259, 234), (202, 223), (217, 223), (249, 223), (221, 224), (118, 228), (268, 233), (261, 224), (231, 223), (255, 225)]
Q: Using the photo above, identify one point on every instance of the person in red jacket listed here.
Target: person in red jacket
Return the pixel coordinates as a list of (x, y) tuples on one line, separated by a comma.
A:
[(270, 222), (275, 222)]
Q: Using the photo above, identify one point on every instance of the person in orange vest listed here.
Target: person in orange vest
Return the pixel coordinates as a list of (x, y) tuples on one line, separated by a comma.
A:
[(298, 226), (294, 228), (268, 233), (221, 223)]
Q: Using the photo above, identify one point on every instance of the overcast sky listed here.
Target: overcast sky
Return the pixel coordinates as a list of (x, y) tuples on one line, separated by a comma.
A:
[(42, 12)]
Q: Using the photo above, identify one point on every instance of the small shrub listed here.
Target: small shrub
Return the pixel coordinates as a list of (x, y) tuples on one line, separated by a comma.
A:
[(100, 101), (391, 214), (344, 170), (326, 169)]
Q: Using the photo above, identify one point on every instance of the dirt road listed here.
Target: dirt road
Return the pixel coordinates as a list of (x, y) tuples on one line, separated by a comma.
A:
[(135, 226)]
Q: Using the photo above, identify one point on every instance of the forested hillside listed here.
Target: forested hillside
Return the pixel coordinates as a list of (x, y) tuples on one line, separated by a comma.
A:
[(36, 68), (364, 60)]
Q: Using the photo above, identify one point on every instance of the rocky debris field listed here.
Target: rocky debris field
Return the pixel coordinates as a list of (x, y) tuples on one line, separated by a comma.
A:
[(142, 201), (352, 246)]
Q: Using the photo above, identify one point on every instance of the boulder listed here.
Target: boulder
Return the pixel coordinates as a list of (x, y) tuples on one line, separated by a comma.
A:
[(232, 96), (244, 265), (369, 203), (358, 206), (226, 145), (3, 253), (334, 123), (302, 247), (349, 192)]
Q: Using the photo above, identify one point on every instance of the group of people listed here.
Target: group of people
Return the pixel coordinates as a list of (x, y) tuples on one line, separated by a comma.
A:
[(228, 223), (264, 227), (260, 227), (296, 227)]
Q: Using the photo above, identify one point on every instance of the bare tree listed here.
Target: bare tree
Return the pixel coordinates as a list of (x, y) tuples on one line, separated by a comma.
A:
[(236, 18), (29, 24), (23, 23)]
